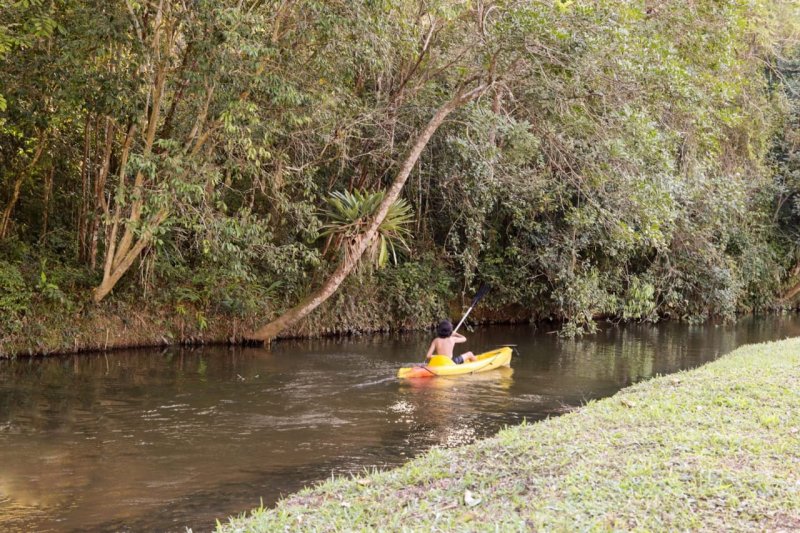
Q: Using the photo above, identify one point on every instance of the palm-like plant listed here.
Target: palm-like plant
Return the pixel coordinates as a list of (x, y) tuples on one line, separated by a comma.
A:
[(348, 214)]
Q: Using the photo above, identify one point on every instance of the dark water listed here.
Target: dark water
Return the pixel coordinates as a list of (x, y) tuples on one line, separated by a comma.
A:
[(161, 440)]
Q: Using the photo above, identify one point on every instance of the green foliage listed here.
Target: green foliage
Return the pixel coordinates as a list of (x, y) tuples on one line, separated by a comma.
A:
[(416, 293), (49, 290), (349, 214), (639, 301), (15, 297), (22, 23), (640, 162), (784, 195), (211, 288), (577, 298), (630, 160)]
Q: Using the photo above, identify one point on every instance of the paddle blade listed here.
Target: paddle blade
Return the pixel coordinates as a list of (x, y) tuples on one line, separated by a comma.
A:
[(480, 294)]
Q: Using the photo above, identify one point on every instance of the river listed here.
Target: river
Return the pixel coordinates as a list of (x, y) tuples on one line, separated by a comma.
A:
[(168, 439)]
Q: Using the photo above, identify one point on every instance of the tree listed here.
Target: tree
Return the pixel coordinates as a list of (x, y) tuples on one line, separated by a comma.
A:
[(452, 39), (22, 25), (585, 157), (360, 244)]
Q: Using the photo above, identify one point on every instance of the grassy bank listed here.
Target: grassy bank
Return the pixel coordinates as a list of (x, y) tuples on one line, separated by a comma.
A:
[(716, 448)]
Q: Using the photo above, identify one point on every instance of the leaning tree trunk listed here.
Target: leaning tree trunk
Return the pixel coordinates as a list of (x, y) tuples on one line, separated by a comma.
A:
[(360, 245), (794, 290), (791, 292)]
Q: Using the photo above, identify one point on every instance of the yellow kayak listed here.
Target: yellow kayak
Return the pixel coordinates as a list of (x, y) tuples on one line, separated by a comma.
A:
[(441, 365)]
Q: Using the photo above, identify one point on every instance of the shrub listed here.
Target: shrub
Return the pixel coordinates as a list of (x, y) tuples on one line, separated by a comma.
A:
[(15, 297), (416, 293)]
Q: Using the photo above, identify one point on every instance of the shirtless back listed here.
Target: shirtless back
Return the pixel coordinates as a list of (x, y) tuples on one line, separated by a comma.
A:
[(444, 346)]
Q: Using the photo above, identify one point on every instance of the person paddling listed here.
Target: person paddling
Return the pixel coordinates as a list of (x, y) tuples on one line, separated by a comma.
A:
[(445, 341)]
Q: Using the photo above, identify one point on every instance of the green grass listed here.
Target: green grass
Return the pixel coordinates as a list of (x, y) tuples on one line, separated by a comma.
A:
[(716, 449)]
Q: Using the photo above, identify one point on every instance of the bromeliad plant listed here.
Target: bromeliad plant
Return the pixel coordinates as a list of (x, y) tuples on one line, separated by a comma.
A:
[(348, 214)]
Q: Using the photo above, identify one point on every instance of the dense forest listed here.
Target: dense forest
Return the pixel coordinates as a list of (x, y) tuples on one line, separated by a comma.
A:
[(194, 169)]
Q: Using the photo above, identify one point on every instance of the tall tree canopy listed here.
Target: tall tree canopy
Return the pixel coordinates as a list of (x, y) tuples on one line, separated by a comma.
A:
[(618, 158)]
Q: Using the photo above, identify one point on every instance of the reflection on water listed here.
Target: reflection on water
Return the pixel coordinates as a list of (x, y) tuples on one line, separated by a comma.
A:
[(166, 439)]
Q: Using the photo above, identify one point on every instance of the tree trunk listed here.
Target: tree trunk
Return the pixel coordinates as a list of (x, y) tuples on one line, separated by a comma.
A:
[(121, 255), (5, 217), (48, 193), (100, 191), (87, 128), (111, 238), (125, 262), (794, 290), (791, 293), (360, 245)]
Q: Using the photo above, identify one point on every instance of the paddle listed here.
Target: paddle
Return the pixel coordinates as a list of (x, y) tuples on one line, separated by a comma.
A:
[(481, 293)]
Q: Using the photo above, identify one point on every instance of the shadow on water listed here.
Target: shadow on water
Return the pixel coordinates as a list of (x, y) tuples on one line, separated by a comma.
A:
[(161, 440)]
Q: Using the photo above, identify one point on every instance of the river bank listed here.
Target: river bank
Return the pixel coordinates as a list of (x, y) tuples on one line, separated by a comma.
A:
[(131, 323), (713, 448), (135, 324)]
